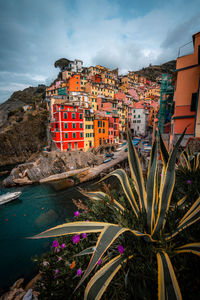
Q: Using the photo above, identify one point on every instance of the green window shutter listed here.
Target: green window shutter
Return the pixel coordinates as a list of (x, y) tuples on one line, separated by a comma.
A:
[(65, 116), (80, 116), (73, 116), (66, 135), (65, 125), (74, 134), (74, 125)]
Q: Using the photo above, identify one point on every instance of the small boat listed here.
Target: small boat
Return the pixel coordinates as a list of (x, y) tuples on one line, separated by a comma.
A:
[(5, 198), (109, 155), (107, 160)]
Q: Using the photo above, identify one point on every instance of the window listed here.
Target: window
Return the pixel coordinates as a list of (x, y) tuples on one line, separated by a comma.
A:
[(99, 141), (91, 134), (65, 115), (138, 121), (103, 124), (138, 116), (65, 125), (99, 130), (81, 134), (81, 125), (73, 116), (66, 135), (74, 125), (193, 102), (103, 130), (80, 116), (74, 135), (77, 82), (62, 107), (99, 124), (134, 116)]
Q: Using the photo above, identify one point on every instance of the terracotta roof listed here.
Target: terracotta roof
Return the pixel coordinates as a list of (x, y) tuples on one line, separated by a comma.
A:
[(138, 105)]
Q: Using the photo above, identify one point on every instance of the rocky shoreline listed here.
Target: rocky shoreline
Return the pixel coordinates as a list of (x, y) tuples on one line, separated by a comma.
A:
[(72, 168)]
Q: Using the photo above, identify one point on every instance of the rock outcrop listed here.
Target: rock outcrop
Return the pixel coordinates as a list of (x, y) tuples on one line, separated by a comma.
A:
[(50, 163)]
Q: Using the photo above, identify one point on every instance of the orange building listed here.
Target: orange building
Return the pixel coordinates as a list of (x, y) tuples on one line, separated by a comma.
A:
[(100, 130), (74, 83), (187, 91)]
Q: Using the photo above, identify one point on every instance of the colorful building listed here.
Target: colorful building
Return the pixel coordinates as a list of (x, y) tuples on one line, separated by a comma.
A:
[(139, 120), (187, 92), (67, 127), (100, 130), (89, 129)]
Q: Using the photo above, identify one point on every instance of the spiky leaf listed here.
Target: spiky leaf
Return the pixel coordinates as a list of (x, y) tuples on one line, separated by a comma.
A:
[(168, 287)]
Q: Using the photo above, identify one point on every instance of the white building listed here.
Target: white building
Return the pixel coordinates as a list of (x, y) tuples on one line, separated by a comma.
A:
[(75, 66), (139, 119)]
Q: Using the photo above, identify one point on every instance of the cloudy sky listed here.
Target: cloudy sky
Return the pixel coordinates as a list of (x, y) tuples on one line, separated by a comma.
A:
[(128, 34)]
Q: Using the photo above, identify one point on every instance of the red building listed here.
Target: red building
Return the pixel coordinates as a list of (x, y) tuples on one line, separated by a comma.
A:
[(67, 127), (96, 78)]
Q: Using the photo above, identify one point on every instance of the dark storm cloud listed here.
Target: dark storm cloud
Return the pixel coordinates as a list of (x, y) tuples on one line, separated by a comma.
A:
[(182, 32), (115, 33)]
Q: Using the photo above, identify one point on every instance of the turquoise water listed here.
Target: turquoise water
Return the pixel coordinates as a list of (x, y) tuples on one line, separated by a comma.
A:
[(38, 208)]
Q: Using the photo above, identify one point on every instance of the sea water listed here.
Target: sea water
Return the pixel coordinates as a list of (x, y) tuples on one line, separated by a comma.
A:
[(39, 207)]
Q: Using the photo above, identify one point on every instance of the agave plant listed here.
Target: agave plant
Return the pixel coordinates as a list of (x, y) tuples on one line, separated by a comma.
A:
[(152, 201), (190, 161)]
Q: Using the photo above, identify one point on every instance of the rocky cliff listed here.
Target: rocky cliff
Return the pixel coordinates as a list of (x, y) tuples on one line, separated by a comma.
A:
[(154, 73), (22, 128)]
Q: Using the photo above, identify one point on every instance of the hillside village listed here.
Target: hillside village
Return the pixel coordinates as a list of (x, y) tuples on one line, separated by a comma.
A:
[(94, 106)]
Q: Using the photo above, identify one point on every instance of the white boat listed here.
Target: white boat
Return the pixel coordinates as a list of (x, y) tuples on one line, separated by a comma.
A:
[(5, 198)]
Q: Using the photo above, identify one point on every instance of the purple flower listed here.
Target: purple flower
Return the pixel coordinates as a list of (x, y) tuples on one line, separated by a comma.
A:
[(56, 271), (84, 235), (120, 249), (63, 246), (87, 221), (58, 250), (160, 174), (188, 181), (76, 213), (99, 262), (55, 244), (76, 239), (59, 258), (79, 272)]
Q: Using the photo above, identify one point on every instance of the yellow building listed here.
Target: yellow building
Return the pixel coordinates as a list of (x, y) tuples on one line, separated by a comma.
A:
[(93, 103), (153, 92), (66, 74), (123, 116), (107, 78), (99, 89), (89, 129)]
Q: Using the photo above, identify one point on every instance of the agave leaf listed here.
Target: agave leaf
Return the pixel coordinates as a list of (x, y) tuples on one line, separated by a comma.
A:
[(195, 205), (72, 228), (168, 287), (136, 173), (189, 248), (185, 156), (181, 201), (123, 178), (163, 151), (100, 281), (89, 250), (191, 219), (101, 196), (152, 190), (167, 188), (105, 239), (197, 161), (153, 151)]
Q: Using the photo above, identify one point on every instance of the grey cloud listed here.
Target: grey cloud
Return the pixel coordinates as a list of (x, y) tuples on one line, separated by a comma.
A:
[(182, 33)]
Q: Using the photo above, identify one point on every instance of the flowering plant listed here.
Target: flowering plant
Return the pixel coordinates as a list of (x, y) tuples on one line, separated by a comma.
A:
[(141, 225)]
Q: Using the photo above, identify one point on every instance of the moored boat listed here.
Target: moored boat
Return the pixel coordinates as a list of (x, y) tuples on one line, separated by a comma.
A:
[(5, 198)]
